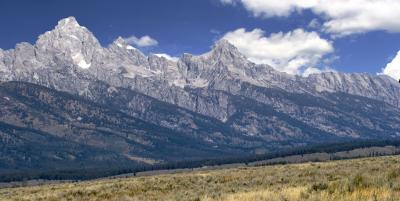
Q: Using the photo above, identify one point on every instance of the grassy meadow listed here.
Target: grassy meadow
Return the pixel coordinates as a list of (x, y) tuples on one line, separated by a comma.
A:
[(368, 179)]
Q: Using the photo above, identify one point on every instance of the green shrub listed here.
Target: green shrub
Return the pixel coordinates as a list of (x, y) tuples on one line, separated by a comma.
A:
[(319, 186)]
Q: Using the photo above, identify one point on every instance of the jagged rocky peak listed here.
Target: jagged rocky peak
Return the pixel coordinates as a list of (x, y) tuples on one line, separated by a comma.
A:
[(72, 45), (224, 50), (222, 63), (363, 84), (121, 46), (121, 53), (68, 22), (159, 61), (224, 58), (224, 45), (69, 30), (73, 42), (121, 43)]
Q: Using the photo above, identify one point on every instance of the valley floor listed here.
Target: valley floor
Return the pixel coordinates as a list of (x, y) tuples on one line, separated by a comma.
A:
[(349, 180)]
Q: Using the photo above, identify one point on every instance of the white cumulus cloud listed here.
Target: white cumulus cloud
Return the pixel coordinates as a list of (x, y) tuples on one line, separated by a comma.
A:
[(144, 41), (271, 8), (358, 16), (392, 69), (342, 17), (291, 52)]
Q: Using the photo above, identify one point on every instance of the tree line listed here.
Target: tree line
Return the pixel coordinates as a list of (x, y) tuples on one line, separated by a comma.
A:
[(93, 173)]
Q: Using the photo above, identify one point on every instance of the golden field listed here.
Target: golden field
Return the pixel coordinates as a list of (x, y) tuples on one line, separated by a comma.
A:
[(368, 179)]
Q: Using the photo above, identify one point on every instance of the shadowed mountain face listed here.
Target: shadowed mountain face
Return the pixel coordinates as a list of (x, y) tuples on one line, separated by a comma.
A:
[(69, 102), (44, 128)]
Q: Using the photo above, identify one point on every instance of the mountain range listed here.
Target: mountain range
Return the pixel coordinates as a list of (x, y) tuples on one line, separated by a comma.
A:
[(68, 102)]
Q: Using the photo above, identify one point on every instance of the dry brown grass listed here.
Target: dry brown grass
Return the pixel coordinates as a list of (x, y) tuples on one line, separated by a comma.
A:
[(370, 179)]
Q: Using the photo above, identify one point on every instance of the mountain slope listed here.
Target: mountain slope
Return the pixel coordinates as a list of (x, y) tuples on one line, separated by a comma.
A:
[(117, 104), (44, 128)]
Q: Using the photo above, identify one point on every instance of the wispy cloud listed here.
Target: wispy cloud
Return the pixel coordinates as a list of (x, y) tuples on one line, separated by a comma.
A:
[(144, 41)]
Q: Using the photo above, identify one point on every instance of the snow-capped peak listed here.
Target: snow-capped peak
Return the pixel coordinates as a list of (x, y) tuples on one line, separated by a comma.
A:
[(129, 47)]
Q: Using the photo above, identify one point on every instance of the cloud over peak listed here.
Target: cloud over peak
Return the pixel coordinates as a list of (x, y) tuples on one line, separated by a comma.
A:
[(291, 52), (392, 69), (144, 41)]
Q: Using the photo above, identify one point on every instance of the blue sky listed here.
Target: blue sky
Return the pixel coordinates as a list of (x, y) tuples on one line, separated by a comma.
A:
[(192, 26)]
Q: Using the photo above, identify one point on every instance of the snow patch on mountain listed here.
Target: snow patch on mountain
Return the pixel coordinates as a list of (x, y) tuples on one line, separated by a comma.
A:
[(171, 58), (80, 61), (120, 45), (129, 47)]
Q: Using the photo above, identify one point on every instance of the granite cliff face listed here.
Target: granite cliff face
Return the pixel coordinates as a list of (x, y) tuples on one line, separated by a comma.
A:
[(219, 99)]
